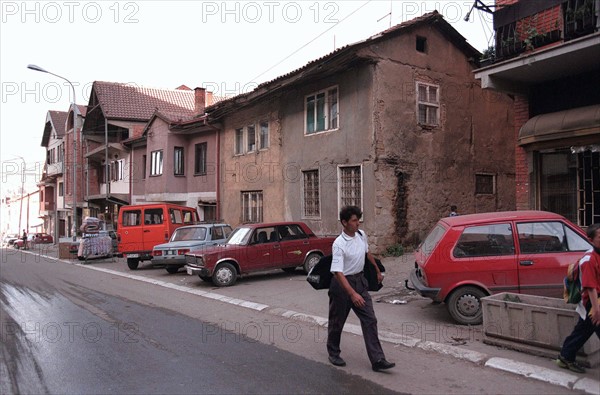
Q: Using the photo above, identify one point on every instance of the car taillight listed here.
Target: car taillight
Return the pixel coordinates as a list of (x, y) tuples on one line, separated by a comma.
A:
[(157, 253), (183, 251)]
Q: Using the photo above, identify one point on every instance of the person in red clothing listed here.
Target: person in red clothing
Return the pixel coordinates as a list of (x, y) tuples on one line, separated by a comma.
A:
[(589, 309)]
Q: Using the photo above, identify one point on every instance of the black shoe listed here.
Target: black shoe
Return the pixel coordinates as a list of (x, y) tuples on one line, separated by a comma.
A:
[(337, 361), (382, 364)]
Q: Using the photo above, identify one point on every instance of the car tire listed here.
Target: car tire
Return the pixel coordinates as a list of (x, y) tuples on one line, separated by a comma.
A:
[(172, 269), (224, 275), (133, 263), (464, 305), (310, 261)]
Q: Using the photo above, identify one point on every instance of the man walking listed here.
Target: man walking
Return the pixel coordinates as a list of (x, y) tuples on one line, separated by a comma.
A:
[(349, 289), (589, 308)]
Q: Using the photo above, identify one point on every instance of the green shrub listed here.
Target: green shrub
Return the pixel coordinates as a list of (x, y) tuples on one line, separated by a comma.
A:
[(395, 250)]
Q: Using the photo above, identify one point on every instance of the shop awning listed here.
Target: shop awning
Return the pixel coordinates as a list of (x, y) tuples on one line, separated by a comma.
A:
[(576, 122)]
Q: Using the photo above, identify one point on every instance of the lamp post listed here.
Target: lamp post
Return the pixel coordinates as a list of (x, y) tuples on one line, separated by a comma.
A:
[(75, 118)]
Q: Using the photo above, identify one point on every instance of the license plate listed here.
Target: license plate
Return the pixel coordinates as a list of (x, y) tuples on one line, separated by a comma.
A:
[(189, 270), (133, 255)]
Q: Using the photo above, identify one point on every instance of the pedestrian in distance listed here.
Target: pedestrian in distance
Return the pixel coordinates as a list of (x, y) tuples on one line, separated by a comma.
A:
[(24, 237), (453, 211), (349, 290), (589, 307)]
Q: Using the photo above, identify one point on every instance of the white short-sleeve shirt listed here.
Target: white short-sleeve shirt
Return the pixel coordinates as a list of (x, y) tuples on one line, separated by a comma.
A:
[(349, 253)]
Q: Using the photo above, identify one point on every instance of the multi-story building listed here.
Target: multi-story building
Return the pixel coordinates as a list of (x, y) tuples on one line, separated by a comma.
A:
[(547, 54)]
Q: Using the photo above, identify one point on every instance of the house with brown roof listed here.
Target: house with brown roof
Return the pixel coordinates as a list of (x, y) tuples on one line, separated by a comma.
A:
[(119, 129), (64, 163), (52, 185), (395, 124)]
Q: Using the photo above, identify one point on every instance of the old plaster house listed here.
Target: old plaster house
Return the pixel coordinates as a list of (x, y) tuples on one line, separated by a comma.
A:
[(547, 55), (395, 124)]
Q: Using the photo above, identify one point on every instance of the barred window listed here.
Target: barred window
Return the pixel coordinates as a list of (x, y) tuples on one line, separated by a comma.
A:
[(252, 206), (311, 200), (485, 184), (350, 186)]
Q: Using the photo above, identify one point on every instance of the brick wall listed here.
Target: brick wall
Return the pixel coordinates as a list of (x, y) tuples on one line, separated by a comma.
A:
[(521, 166)]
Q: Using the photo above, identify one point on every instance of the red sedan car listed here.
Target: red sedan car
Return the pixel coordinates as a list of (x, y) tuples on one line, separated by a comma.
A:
[(259, 247), (467, 257), (34, 238)]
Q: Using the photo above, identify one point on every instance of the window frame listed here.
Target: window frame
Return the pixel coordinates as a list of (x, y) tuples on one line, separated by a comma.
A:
[(428, 104), (305, 213), (339, 186), (494, 188), (331, 122), (178, 161), (156, 163), (200, 158), (252, 217)]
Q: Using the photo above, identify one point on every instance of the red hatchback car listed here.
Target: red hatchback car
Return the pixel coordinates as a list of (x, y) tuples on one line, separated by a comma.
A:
[(465, 258)]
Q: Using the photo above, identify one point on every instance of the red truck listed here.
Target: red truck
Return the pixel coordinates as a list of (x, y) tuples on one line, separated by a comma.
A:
[(259, 247)]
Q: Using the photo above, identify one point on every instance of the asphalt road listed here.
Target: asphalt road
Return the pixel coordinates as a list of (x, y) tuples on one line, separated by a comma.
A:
[(69, 329)]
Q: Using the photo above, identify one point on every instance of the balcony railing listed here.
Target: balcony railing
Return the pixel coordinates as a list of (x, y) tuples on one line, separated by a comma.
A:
[(524, 31), (47, 206)]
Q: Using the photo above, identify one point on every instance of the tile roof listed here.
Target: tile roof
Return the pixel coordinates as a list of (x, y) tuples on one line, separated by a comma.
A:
[(345, 56), (55, 120), (128, 101)]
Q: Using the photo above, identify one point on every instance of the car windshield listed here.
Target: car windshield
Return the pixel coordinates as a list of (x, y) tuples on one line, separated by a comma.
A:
[(239, 236), (428, 245), (184, 234)]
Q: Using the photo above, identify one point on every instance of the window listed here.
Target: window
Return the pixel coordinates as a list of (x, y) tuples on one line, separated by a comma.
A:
[(61, 152), (421, 44), (175, 216), (291, 232), (117, 170), (264, 135), (311, 201), (428, 104), (545, 237), (251, 138), (239, 141), (216, 233), (132, 218), (486, 240), (178, 161), (200, 158), (61, 189), (144, 167), (485, 184), (153, 216), (321, 111), (350, 186), (189, 217), (252, 206), (156, 163), (261, 235)]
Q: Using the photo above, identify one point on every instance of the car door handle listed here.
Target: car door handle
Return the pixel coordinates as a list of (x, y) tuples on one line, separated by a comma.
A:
[(526, 263), (146, 231)]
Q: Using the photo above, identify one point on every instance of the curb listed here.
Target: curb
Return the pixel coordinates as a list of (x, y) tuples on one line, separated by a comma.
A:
[(562, 379)]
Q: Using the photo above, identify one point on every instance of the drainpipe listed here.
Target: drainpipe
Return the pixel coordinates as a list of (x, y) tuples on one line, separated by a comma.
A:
[(106, 163), (218, 176)]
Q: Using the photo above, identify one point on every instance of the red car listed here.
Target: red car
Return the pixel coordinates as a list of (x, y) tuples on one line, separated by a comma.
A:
[(34, 238), (259, 247), (465, 258)]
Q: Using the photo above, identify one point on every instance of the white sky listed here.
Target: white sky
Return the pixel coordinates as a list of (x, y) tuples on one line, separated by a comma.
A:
[(226, 46)]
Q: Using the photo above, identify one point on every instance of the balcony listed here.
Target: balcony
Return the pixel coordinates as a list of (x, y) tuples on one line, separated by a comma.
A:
[(47, 206), (526, 26), (53, 169)]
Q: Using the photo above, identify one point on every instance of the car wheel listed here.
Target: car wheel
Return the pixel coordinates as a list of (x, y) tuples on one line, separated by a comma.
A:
[(225, 275), (310, 261), (205, 278), (132, 263), (172, 269), (464, 305)]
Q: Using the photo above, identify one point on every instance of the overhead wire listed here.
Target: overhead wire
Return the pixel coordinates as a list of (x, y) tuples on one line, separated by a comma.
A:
[(311, 41)]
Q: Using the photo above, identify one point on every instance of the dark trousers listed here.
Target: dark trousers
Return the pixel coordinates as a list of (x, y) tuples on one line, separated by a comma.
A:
[(583, 330), (340, 305)]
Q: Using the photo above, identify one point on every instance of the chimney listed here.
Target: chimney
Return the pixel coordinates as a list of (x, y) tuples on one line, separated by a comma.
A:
[(199, 100)]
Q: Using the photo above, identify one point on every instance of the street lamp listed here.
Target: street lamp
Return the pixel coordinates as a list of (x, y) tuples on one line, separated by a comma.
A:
[(75, 118)]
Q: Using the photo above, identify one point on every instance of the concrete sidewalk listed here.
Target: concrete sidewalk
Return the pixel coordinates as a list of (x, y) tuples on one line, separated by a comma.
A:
[(393, 329)]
